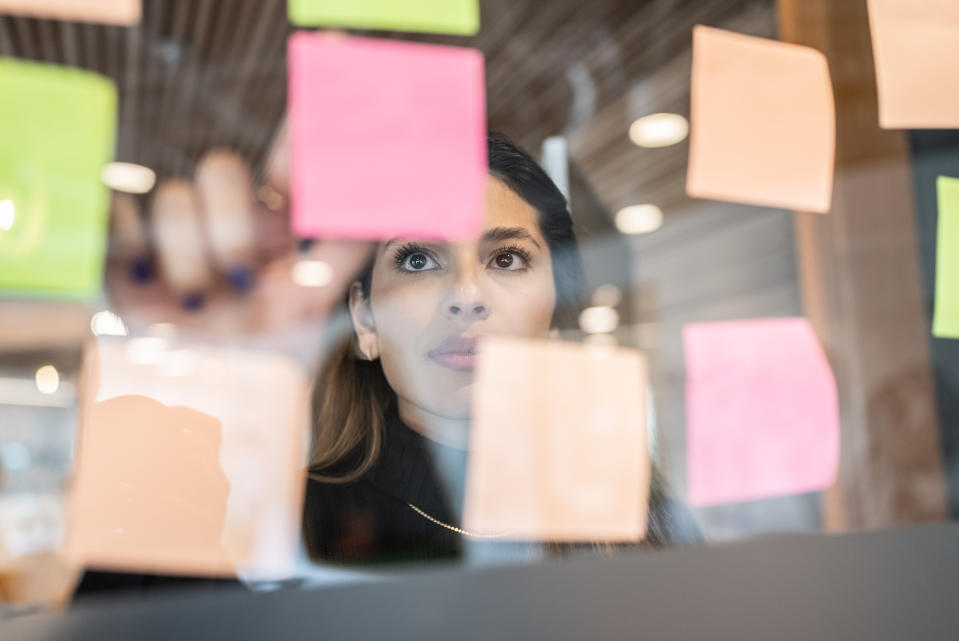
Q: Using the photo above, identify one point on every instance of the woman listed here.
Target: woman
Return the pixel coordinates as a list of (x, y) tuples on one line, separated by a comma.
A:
[(392, 404)]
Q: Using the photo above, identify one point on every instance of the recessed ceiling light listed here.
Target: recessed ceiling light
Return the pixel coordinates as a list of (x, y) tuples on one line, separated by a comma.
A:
[(106, 323), (48, 379), (128, 177), (639, 219), (659, 130), (598, 320), (312, 273)]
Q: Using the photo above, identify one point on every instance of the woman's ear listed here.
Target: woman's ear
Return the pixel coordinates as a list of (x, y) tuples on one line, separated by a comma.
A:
[(362, 317)]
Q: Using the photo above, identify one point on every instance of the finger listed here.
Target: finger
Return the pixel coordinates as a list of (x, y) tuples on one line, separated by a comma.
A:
[(177, 232), (129, 241), (278, 160), (226, 193)]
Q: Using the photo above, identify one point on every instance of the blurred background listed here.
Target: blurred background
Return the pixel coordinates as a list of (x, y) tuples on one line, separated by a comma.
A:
[(570, 81)]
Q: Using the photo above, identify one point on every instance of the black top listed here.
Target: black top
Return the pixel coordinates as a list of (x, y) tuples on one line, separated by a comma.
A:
[(370, 519)]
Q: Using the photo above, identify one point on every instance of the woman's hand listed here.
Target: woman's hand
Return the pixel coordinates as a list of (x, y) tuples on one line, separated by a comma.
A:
[(216, 260)]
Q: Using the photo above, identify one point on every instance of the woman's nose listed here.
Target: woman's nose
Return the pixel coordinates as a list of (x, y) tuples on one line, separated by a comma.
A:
[(465, 300), (468, 310)]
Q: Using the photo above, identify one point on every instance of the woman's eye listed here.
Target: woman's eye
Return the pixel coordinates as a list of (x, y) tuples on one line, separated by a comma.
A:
[(508, 260), (418, 262)]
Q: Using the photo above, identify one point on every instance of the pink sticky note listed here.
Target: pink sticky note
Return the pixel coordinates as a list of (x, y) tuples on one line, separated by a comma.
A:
[(915, 45), (190, 460), (762, 414), (388, 138), (763, 128), (558, 443)]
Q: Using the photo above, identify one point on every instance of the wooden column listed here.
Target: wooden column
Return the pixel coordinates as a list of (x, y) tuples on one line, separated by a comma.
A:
[(861, 290)]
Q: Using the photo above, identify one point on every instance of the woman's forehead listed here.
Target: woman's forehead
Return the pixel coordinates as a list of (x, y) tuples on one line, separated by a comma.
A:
[(505, 208)]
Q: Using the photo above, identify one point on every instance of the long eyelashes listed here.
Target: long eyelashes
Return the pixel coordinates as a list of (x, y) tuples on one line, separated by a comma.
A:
[(412, 248), (515, 250), (407, 250)]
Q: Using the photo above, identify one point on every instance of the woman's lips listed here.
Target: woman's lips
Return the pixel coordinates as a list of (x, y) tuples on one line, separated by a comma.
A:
[(458, 353)]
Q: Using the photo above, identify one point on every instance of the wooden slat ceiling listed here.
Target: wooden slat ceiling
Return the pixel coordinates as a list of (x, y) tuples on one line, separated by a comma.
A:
[(196, 74)]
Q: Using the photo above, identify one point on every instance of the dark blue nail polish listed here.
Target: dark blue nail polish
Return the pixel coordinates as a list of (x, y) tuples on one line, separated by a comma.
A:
[(305, 245), (241, 278), (193, 301), (141, 270)]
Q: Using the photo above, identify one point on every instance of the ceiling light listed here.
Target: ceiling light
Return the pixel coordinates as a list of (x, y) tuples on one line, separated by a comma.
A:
[(128, 177), (48, 379), (639, 219), (598, 320), (106, 323), (312, 273), (659, 130)]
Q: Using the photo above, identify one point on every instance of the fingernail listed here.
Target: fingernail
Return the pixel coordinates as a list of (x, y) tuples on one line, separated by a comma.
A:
[(193, 301), (141, 270), (306, 244), (241, 278)]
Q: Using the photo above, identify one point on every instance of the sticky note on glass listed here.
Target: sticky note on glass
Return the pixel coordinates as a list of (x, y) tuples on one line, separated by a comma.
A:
[(457, 17), (762, 416), (58, 127), (915, 48), (190, 461), (388, 139), (945, 322), (558, 443), (763, 128), (117, 12)]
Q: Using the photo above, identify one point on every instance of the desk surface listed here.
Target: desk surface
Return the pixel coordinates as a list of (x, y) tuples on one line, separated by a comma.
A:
[(892, 585)]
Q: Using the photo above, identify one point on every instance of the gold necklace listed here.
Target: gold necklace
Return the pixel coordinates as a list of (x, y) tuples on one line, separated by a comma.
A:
[(426, 516)]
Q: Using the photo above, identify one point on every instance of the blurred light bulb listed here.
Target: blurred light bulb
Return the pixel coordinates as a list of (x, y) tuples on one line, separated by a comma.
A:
[(7, 214), (312, 273), (639, 219), (128, 177), (607, 295), (106, 323), (598, 320), (659, 130), (48, 379)]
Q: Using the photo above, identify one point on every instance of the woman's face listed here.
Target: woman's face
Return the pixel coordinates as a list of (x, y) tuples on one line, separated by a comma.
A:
[(430, 302)]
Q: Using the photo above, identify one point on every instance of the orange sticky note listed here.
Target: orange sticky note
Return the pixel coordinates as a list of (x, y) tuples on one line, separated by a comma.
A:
[(915, 46), (762, 414), (119, 12), (763, 128), (190, 461), (558, 442)]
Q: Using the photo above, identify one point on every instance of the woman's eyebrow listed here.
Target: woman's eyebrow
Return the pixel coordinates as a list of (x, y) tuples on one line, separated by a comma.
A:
[(497, 234)]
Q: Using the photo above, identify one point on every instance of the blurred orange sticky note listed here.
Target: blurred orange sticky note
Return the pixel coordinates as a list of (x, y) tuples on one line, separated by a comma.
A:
[(387, 138), (763, 128), (558, 443), (189, 461), (120, 12), (762, 415), (915, 46)]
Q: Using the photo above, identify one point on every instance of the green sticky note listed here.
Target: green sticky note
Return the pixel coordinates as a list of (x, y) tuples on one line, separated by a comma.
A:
[(57, 131), (457, 17), (945, 322)]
